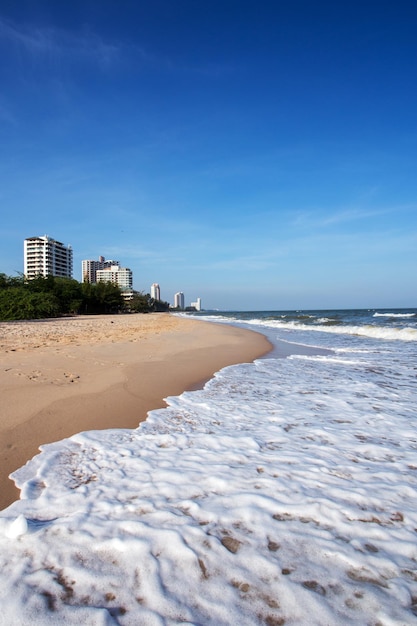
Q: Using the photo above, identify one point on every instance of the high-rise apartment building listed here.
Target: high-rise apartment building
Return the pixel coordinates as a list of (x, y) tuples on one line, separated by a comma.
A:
[(155, 291), (44, 256), (89, 268), (120, 276), (179, 300), (197, 304)]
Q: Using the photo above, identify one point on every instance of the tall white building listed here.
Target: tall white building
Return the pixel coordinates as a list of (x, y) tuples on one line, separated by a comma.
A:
[(155, 291), (179, 300), (197, 304), (89, 268), (44, 256), (120, 276)]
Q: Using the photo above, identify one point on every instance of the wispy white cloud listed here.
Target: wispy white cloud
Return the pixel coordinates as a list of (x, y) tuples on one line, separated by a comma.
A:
[(56, 45), (351, 215), (320, 218)]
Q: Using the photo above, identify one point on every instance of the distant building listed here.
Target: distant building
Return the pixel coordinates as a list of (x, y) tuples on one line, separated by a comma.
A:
[(155, 291), (179, 300), (197, 304), (120, 276), (89, 269), (44, 256)]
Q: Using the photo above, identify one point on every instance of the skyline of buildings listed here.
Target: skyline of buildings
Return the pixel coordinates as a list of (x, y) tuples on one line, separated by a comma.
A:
[(102, 271), (45, 256), (89, 268)]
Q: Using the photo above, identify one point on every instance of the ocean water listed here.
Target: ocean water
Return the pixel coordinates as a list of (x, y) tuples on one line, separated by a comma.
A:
[(389, 324), (284, 492)]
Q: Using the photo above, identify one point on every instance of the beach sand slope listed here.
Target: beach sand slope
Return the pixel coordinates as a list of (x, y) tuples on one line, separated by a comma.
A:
[(64, 376)]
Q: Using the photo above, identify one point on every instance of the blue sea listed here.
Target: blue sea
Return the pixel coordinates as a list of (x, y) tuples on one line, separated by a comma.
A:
[(384, 324), (283, 492)]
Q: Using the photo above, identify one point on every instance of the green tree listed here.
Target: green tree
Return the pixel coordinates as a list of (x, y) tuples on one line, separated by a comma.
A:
[(69, 294), (100, 298), (52, 296), (160, 306), (17, 303), (11, 281), (140, 303)]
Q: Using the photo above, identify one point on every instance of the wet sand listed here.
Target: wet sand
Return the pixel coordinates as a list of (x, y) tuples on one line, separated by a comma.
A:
[(63, 376)]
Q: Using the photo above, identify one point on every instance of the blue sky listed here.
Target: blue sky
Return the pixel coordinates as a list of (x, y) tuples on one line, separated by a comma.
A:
[(258, 154)]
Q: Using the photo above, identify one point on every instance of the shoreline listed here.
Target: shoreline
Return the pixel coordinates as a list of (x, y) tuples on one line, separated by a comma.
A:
[(68, 375)]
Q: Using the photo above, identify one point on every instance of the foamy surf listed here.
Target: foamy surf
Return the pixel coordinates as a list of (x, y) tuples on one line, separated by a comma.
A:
[(284, 492)]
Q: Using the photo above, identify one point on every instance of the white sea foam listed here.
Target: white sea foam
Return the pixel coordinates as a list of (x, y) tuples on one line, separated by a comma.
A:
[(394, 314), (285, 492), (329, 359), (304, 321), (376, 332)]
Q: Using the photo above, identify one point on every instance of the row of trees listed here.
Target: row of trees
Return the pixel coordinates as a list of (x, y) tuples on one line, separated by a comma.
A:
[(53, 296)]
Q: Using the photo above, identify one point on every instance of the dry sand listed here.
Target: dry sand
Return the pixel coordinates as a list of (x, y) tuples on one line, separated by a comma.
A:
[(60, 377)]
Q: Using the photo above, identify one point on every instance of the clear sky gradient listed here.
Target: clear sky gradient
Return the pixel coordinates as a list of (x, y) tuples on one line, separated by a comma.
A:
[(258, 154)]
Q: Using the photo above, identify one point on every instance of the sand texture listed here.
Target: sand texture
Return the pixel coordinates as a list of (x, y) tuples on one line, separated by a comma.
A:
[(63, 376)]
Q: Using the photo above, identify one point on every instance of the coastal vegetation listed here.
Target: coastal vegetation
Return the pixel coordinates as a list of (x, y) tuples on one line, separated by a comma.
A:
[(52, 296)]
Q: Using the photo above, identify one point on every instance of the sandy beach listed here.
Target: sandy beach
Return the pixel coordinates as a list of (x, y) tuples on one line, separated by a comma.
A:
[(63, 376)]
